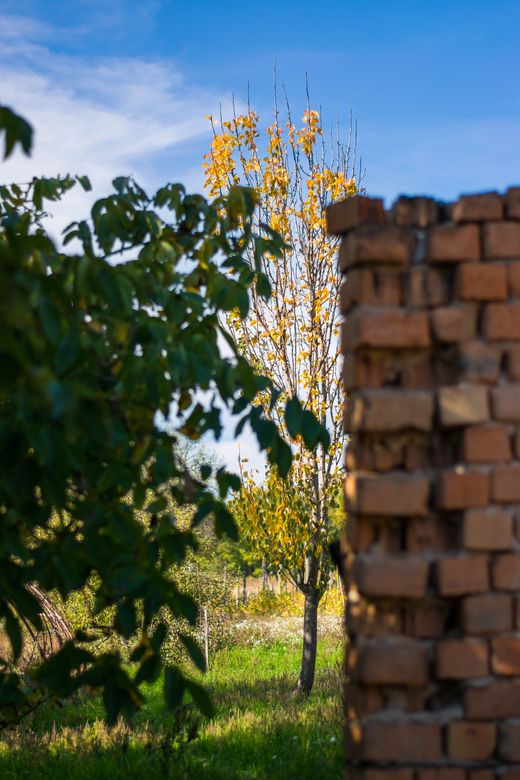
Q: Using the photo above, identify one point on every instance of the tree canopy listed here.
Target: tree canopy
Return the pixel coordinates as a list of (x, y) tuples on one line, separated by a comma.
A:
[(98, 339)]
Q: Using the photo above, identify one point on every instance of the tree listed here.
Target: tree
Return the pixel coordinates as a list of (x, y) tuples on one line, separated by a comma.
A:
[(292, 337), (94, 344)]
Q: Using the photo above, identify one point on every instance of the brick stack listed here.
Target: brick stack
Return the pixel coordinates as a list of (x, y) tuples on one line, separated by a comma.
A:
[(431, 336)]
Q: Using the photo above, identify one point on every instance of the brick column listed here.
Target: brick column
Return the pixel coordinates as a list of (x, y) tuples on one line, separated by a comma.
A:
[(431, 337)]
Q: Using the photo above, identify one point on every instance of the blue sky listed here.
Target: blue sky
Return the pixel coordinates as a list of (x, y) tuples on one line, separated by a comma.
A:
[(118, 86)]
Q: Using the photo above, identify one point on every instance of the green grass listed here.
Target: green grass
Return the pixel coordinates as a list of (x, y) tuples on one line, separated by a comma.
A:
[(261, 730)]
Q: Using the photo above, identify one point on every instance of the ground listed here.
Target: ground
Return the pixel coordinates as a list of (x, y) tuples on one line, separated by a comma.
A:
[(261, 729)]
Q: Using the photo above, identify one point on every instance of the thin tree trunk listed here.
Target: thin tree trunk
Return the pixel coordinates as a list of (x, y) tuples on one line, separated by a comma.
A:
[(310, 640)]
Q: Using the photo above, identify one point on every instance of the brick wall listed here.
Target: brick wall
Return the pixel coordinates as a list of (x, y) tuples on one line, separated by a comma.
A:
[(431, 336)]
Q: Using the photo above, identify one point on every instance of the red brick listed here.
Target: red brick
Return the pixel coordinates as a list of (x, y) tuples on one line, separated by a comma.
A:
[(392, 661), (461, 575), (512, 203), (505, 655), (502, 321), (442, 773), (351, 212), (415, 212), (497, 699), (387, 329), (427, 621), (364, 619), (368, 245), (390, 410), (362, 371), (514, 280), (506, 403), (479, 282), (513, 363), (486, 444), (487, 614), (391, 577), (401, 742), (390, 773), (479, 362), (509, 741), (448, 243), (372, 288), (505, 484), (506, 572), (481, 774), (462, 659), (463, 404), (487, 529), (517, 443), (469, 741), (501, 240), (478, 208), (463, 490), (454, 324), (391, 494), (427, 287)]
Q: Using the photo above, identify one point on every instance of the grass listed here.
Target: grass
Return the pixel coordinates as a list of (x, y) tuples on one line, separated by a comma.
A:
[(261, 730)]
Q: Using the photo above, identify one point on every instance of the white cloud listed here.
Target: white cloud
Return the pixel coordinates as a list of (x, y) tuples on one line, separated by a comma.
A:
[(104, 118), (97, 116)]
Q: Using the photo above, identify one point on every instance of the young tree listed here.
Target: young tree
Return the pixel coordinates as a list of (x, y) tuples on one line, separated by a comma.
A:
[(91, 351), (293, 336)]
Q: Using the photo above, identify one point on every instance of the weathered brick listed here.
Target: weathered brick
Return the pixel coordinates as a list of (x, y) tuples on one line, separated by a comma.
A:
[(517, 443), (461, 490), (505, 655), (506, 403), (509, 741), (372, 288), (479, 362), (390, 773), (514, 279), (390, 494), (505, 484), (364, 619), (501, 240), (497, 699), (481, 774), (414, 212), (487, 529), (479, 282), (513, 363), (361, 370), (386, 329), (427, 287), (353, 211), (487, 614), (470, 741), (426, 621), (449, 243), (442, 773), (463, 404), (512, 203), (391, 577), (392, 661), (390, 410), (454, 324), (506, 572), (368, 244), (478, 208), (462, 659), (486, 444), (502, 321), (401, 742), (461, 575)]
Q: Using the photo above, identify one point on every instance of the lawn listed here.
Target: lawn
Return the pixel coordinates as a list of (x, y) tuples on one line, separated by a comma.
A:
[(260, 730)]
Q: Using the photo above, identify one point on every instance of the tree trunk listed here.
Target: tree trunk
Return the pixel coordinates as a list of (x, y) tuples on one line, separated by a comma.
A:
[(310, 639)]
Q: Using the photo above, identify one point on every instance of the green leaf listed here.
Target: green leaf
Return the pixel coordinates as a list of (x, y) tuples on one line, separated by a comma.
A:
[(16, 131), (201, 698), (194, 651)]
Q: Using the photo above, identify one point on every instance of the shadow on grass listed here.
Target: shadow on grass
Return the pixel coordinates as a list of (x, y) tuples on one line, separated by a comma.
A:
[(261, 731)]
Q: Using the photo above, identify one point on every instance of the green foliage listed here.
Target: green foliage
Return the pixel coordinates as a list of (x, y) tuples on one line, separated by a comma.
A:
[(260, 730), (94, 345)]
